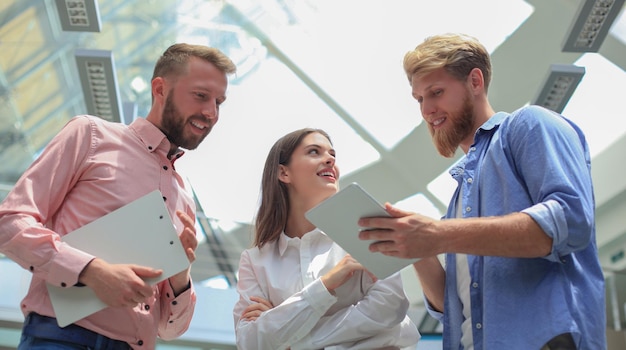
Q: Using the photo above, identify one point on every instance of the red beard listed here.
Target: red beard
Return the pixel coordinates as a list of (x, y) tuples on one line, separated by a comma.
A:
[(447, 140)]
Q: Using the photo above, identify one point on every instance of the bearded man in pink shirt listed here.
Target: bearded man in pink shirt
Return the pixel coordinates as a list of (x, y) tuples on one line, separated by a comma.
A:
[(93, 167)]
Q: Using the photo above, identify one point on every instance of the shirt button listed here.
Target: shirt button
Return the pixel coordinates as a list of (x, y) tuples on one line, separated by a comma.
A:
[(174, 302), (147, 307), (468, 209), (479, 326), (470, 180), (140, 342), (475, 285), (165, 167), (472, 149), (63, 284)]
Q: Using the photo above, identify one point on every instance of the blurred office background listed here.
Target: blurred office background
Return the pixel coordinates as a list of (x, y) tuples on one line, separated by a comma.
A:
[(330, 64)]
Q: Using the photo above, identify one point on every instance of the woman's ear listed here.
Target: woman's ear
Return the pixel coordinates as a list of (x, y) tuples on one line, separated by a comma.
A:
[(283, 174)]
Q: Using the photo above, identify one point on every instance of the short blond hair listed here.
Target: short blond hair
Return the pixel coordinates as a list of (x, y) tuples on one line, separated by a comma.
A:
[(458, 54)]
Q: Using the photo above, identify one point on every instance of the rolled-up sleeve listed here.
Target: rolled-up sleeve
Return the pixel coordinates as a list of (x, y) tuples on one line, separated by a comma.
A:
[(552, 157)]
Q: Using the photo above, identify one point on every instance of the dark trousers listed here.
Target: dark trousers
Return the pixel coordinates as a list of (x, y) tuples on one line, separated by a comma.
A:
[(560, 342), (42, 332)]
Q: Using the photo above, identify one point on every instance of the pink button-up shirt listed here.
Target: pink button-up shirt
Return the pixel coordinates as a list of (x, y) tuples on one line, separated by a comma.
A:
[(89, 169)]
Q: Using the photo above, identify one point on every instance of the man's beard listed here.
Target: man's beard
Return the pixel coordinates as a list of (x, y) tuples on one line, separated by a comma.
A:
[(174, 126), (447, 141)]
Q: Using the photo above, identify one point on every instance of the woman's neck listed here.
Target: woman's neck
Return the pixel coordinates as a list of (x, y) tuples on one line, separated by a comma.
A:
[(298, 225)]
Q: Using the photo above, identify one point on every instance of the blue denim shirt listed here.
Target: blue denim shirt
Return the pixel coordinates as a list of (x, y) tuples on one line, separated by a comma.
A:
[(537, 162)]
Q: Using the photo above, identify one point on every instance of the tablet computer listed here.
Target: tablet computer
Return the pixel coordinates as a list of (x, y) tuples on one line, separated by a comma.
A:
[(338, 216), (141, 232)]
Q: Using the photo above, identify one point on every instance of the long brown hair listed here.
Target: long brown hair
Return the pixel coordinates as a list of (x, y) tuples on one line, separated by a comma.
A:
[(272, 215)]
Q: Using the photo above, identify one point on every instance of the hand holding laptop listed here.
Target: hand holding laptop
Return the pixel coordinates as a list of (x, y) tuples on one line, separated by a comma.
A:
[(115, 238)]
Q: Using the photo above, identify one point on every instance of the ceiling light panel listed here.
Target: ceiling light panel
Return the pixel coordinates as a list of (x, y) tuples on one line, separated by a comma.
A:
[(79, 15), (96, 69), (559, 86), (591, 25)]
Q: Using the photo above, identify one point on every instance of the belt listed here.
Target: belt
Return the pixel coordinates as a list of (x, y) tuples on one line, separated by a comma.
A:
[(45, 327)]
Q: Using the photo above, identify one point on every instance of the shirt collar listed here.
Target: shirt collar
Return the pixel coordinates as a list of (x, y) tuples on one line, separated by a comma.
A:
[(153, 137), (494, 121), (491, 124), (285, 241)]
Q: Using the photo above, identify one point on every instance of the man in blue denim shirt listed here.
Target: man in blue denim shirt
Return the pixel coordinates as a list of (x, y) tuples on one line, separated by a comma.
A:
[(522, 268)]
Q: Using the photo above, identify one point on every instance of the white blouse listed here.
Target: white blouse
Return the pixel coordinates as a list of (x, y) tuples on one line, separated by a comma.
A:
[(361, 315)]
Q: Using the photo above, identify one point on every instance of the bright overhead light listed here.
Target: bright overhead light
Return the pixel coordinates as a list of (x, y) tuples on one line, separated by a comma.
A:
[(138, 84), (559, 86), (79, 15), (96, 69), (591, 25)]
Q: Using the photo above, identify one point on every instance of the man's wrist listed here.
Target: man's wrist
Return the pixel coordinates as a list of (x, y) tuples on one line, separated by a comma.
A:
[(179, 290)]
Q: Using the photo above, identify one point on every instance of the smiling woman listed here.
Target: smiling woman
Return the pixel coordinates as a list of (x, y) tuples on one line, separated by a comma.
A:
[(297, 287)]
